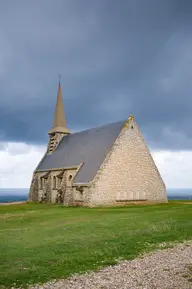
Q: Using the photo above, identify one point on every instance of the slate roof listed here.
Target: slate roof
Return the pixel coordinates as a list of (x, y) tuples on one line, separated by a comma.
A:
[(89, 146)]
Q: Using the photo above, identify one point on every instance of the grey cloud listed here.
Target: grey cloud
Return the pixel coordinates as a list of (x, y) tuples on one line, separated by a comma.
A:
[(3, 146), (115, 57)]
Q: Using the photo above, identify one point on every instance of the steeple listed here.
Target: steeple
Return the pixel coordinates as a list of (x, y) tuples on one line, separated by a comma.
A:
[(59, 124)]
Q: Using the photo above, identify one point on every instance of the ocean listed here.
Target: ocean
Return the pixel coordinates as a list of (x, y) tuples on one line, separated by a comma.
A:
[(13, 195), (16, 195)]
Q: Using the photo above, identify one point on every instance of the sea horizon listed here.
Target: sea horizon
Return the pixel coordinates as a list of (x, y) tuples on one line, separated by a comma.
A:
[(21, 194)]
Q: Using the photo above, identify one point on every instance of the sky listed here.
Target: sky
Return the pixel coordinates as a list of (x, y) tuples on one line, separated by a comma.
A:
[(115, 58)]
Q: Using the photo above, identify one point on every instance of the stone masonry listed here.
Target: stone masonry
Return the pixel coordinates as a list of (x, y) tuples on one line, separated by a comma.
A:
[(42, 189), (54, 141), (34, 189), (128, 173)]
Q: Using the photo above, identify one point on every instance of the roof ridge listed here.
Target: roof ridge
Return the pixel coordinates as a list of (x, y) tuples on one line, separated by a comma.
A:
[(97, 127)]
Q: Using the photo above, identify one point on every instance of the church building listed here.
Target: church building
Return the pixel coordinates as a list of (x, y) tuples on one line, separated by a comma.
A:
[(103, 166)]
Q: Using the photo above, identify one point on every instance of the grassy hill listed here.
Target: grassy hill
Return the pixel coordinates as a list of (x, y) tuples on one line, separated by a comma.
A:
[(42, 242)]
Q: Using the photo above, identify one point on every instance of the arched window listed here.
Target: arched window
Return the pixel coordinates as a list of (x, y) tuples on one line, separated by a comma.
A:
[(70, 177), (54, 182)]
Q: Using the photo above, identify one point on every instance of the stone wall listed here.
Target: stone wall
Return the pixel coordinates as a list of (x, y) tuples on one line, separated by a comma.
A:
[(69, 198), (34, 188), (47, 193), (54, 190), (81, 195), (65, 188), (40, 190), (128, 173), (61, 188)]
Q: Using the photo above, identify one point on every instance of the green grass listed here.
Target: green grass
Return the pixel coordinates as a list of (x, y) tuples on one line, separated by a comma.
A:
[(43, 242)]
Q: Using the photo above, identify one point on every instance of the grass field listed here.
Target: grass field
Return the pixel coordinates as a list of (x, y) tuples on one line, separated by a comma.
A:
[(43, 242)]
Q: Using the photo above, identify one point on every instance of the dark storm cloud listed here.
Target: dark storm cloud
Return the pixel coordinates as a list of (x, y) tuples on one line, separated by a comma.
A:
[(115, 58)]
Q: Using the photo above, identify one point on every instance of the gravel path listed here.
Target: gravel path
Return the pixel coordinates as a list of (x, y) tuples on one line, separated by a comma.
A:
[(168, 268)]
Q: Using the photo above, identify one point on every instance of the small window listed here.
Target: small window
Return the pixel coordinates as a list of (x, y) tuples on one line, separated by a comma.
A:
[(41, 183), (59, 181), (70, 177), (54, 183), (132, 127)]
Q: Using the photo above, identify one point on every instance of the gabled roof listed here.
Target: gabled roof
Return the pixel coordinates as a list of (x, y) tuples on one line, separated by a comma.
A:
[(89, 147)]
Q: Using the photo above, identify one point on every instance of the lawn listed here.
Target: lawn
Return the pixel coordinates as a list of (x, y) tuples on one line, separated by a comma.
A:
[(43, 242)]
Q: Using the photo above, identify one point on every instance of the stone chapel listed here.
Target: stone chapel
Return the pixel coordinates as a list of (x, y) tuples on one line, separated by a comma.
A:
[(103, 166)]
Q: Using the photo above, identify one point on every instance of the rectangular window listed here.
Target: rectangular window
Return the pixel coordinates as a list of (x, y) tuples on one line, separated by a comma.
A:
[(59, 181), (41, 183), (54, 183)]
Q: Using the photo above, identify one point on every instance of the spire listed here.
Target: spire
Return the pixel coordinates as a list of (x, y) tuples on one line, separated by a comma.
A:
[(59, 124)]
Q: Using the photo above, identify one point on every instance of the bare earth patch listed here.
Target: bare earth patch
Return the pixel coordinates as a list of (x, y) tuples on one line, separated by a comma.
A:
[(168, 268)]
